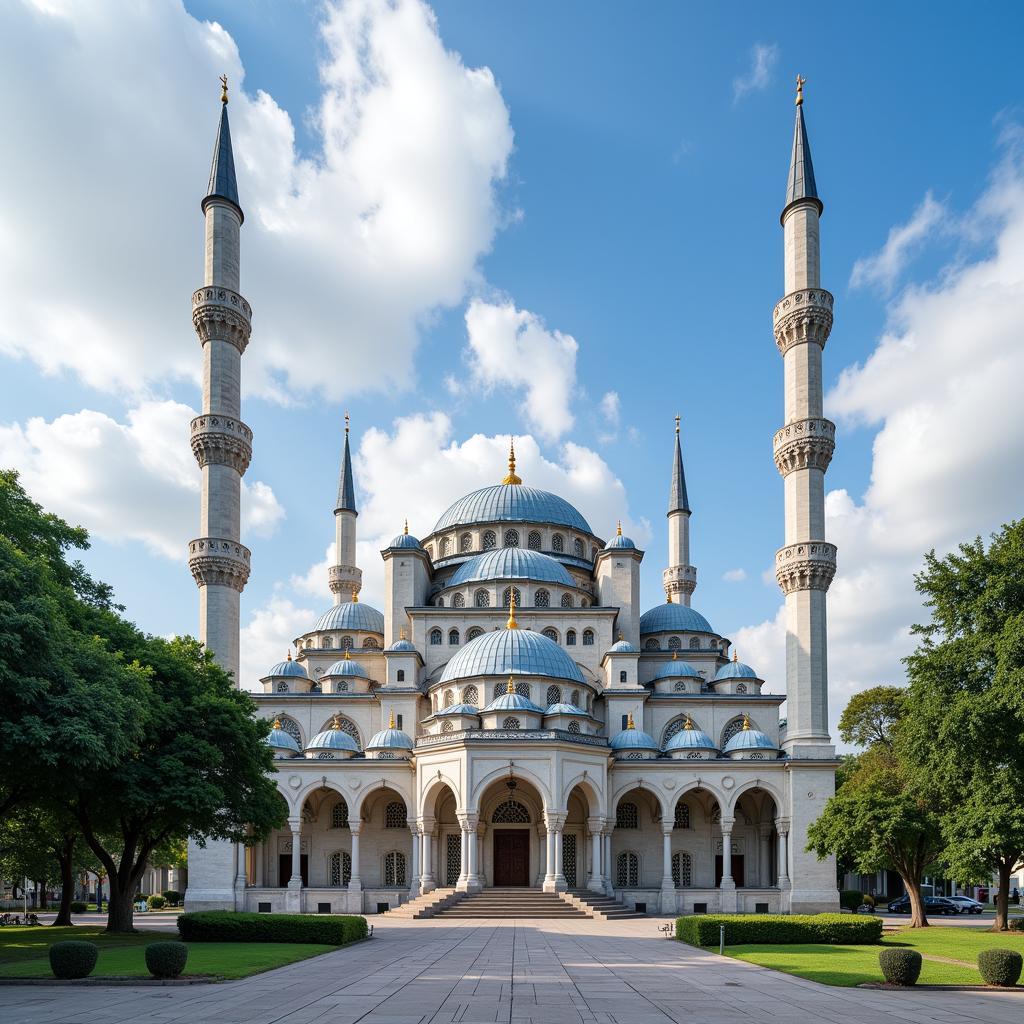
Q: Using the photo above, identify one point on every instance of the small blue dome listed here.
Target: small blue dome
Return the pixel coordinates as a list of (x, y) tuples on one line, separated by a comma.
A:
[(346, 667), (278, 739), (674, 669), (690, 738), (405, 540), (619, 541), (513, 702), (566, 709), (512, 503), (333, 739), (749, 739), (390, 739), (457, 709), (512, 564), (633, 739), (402, 647), (288, 668), (735, 670), (622, 647), (674, 618), (351, 615), (505, 652)]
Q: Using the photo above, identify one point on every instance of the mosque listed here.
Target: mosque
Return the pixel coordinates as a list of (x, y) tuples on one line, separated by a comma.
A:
[(511, 718)]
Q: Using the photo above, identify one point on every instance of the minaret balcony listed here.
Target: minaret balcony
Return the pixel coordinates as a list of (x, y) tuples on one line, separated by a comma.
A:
[(680, 579), (802, 317), (220, 314), (344, 579), (218, 562), (221, 441), (807, 565), (804, 444)]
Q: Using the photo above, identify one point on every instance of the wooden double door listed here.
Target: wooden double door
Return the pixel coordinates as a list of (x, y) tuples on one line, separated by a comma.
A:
[(511, 856)]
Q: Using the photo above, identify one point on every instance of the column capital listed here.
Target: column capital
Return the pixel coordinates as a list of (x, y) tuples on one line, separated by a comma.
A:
[(782, 825), (468, 821), (355, 827), (596, 824), (554, 820), (295, 824), (727, 823)]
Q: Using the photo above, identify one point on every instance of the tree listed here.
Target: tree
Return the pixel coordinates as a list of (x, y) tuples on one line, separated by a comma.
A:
[(871, 716), (965, 704)]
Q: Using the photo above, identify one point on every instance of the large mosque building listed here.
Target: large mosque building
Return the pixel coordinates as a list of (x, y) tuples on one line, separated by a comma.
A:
[(512, 718)]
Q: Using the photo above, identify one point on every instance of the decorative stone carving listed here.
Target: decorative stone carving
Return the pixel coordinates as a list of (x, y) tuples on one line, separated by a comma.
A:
[(680, 579), (801, 317), (218, 562), (220, 314), (344, 579), (804, 444), (810, 565), (221, 441)]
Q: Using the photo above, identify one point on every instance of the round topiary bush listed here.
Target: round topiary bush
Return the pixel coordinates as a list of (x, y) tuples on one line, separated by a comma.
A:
[(850, 899), (900, 966), (79, 906), (1000, 966), (172, 896), (166, 959), (73, 959), (156, 902)]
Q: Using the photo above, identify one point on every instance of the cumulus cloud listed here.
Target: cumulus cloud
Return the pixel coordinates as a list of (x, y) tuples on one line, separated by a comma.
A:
[(884, 268), (106, 158), (513, 348), (133, 481), (611, 416), (734, 575), (762, 59), (266, 638)]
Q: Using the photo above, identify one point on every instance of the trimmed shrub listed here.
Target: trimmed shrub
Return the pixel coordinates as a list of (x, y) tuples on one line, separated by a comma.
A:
[(166, 959), (1015, 924), (156, 902), (850, 899), (868, 901), (73, 959), (900, 966), (1000, 966), (229, 926), (702, 929), (172, 896), (79, 906)]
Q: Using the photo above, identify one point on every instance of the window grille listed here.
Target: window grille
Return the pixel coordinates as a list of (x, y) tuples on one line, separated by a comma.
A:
[(622, 676), (735, 726), (453, 638), (588, 638), (652, 645), (490, 540), (507, 594), (474, 633), (370, 644), (435, 638), (671, 729), (346, 643), (466, 542), (282, 687), (394, 815), (482, 599), (574, 726), (674, 643), (511, 538), (341, 686), (447, 726), (325, 755), (533, 541), (511, 812), (341, 868), (741, 687), (449, 698), (569, 859), (446, 547), (634, 755), (567, 600), (627, 870), (694, 643), (453, 850), (757, 756), (679, 686), (627, 815), (542, 599), (394, 868), (551, 634), (570, 638), (346, 726), (558, 543), (327, 642), (682, 870), (291, 727), (470, 695), (694, 755), (682, 815), (510, 723), (577, 547), (459, 601), (554, 695)]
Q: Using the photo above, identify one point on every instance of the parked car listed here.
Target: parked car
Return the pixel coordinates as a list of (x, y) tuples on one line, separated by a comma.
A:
[(966, 905), (932, 905)]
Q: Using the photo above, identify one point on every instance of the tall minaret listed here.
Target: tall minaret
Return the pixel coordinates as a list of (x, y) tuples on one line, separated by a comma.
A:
[(806, 564), (680, 578), (344, 578), (221, 442)]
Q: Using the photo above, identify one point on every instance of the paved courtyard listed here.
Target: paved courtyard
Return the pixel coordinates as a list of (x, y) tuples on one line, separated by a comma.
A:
[(467, 972)]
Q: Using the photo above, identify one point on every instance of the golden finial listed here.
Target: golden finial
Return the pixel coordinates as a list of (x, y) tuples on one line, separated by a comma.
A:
[(668, 597), (688, 724), (620, 637), (223, 88), (511, 478), (336, 721), (405, 529), (347, 421), (800, 83), (288, 656), (746, 723), (401, 633), (346, 656), (511, 686), (675, 655), (277, 721), (512, 624), (355, 597), (391, 719), (618, 529), (735, 655), (677, 424), (629, 721)]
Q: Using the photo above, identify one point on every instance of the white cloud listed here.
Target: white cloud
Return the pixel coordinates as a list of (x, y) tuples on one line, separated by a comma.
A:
[(512, 348), (762, 59), (943, 387), (266, 638), (734, 575), (611, 416), (884, 268), (106, 158), (125, 481)]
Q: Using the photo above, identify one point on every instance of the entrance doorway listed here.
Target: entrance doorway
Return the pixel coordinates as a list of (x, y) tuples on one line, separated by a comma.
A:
[(511, 856), (737, 870), (284, 869)]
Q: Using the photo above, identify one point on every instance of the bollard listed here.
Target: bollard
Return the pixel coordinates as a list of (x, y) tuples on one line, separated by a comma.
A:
[(721, 940)]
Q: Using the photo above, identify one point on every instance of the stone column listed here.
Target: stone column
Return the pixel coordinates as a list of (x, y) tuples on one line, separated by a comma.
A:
[(551, 862), (479, 839), (542, 859), (470, 823), (596, 881), (241, 879), (609, 868), (464, 838), (427, 882), (668, 885), (355, 883), (782, 827), (560, 883), (727, 887), (414, 870), (293, 897)]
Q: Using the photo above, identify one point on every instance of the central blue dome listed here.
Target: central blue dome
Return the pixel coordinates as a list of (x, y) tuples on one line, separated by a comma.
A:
[(352, 615), (511, 652), (512, 503), (674, 618), (512, 564)]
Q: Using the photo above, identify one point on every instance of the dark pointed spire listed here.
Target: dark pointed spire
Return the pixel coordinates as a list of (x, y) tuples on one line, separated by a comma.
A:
[(222, 170), (677, 500), (801, 184), (346, 488)]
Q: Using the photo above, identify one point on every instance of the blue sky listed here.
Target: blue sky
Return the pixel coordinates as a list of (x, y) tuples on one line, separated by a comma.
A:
[(637, 212)]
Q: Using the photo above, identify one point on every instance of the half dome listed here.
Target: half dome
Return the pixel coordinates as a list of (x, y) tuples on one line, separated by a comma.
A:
[(512, 564), (516, 652), (512, 503)]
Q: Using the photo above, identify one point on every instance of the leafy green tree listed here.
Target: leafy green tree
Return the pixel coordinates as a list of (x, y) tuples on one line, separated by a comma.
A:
[(871, 716), (965, 706)]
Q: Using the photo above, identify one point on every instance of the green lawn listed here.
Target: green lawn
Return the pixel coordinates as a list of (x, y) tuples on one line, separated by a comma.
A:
[(24, 953), (852, 965)]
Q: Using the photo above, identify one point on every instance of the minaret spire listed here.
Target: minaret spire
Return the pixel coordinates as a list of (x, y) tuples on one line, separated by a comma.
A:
[(223, 185), (680, 577), (801, 184), (344, 578)]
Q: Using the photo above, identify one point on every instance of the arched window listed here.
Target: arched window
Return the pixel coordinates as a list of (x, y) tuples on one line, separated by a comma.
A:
[(439, 603), (490, 540), (339, 815), (533, 540), (341, 686), (567, 600), (593, 553), (671, 729), (542, 599), (510, 723), (346, 726), (346, 643), (341, 868), (627, 815), (588, 638), (449, 698), (282, 687), (523, 689), (558, 543), (510, 812), (578, 549), (400, 675), (511, 538), (291, 727), (679, 686), (573, 726), (459, 601), (466, 542), (652, 645), (394, 815), (453, 638), (682, 815), (435, 638), (622, 674), (470, 695), (369, 644), (446, 546), (570, 638), (550, 633), (682, 870), (474, 632), (674, 643), (576, 697), (554, 695), (735, 726), (506, 597), (741, 687), (627, 870), (482, 599), (694, 643), (394, 868), (327, 643), (447, 726)]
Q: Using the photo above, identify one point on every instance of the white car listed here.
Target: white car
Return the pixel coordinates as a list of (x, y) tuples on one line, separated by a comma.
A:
[(966, 905)]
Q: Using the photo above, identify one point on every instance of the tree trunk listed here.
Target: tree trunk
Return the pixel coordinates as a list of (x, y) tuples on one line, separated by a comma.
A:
[(918, 917), (1003, 896), (120, 912), (65, 857), (41, 890)]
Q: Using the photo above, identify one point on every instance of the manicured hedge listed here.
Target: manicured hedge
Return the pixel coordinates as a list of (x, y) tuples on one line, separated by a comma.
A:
[(73, 959), (900, 966), (1000, 966), (702, 929), (228, 926), (79, 907), (156, 902), (166, 959)]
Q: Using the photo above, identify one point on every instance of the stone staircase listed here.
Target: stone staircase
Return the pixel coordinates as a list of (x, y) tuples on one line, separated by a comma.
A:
[(519, 902), (434, 902), (598, 906)]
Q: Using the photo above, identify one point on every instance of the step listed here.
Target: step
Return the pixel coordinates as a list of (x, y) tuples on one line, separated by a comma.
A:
[(428, 905), (603, 908), (509, 902)]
